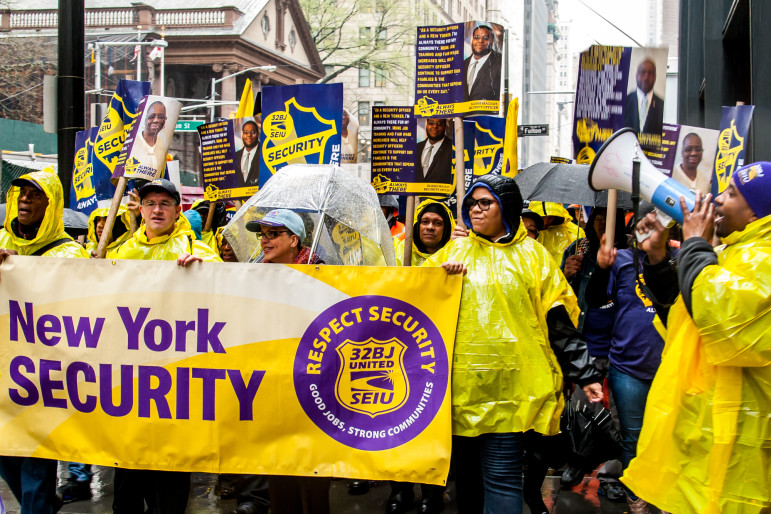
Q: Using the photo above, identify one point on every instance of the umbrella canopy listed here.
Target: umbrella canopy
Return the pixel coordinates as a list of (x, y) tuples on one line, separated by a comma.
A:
[(564, 183), (75, 223), (343, 220)]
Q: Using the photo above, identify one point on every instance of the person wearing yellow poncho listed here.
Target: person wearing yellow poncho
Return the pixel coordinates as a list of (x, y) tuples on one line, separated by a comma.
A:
[(705, 445), (514, 339), (558, 232), (163, 235), (121, 230), (431, 230), (34, 226)]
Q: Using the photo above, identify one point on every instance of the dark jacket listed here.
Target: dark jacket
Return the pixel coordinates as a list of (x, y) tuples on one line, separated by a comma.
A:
[(655, 120), (440, 170), (487, 85), (254, 170)]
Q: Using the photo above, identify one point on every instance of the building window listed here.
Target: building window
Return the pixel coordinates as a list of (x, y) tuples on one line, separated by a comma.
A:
[(365, 34), (382, 35), (329, 68), (378, 103), (363, 113), (265, 24), (292, 39), (380, 77), (364, 75)]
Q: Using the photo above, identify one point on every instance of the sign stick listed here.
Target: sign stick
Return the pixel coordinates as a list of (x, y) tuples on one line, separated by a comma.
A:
[(610, 219), (408, 235), (460, 171), (110, 221), (210, 217)]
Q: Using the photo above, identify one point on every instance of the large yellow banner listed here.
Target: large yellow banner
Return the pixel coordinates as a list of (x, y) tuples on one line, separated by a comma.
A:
[(228, 368)]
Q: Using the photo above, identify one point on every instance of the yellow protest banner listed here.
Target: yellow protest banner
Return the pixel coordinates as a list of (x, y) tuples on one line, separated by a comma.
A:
[(228, 368)]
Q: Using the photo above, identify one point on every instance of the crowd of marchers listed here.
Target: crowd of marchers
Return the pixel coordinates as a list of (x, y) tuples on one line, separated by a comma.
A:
[(668, 327)]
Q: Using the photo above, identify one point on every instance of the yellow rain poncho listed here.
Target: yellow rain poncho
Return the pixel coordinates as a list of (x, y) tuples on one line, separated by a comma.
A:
[(52, 226), (705, 445), (557, 238), (122, 228), (505, 376), (165, 248), (418, 257)]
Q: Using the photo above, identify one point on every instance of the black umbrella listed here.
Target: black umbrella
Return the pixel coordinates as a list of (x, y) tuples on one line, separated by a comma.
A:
[(566, 183)]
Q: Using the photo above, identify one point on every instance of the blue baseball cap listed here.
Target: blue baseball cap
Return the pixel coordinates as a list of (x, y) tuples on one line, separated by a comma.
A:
[(280, 218)]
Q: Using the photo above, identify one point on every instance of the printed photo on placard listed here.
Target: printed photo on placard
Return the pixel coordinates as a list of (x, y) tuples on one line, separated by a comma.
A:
[(350, 139), (144, 152), (459, 69), (247, 160), (644, 105), (695, 158)]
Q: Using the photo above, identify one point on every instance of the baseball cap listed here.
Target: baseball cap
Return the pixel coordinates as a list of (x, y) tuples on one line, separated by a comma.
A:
[(19, 182), (160, 185), (754, 183), (280, 218)]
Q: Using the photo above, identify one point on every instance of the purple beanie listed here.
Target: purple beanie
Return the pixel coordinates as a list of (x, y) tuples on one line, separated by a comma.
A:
[(754, 183)]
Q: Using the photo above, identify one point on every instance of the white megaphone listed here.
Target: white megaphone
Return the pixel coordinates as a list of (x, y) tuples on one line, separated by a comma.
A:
[(612, 169)]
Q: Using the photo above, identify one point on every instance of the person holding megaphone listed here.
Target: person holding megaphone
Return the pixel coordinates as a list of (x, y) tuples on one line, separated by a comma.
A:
[(704, 445)]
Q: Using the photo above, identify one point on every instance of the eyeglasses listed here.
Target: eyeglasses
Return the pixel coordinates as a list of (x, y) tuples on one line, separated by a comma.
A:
[(693, 149), (483, 38), (249, 132), (159, 117), (483, 203), (272, 234), (163, 205)]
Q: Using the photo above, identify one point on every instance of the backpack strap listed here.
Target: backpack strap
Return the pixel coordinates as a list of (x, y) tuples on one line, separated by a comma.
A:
[(50, 246)]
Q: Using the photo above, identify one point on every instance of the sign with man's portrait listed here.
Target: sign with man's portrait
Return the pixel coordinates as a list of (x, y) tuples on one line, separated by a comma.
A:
[(644, 105), (459, 69), (144, 151), (230, 162)]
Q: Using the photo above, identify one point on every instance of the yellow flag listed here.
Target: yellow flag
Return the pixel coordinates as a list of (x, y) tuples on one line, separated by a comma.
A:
[(510, 162), (246, 105)]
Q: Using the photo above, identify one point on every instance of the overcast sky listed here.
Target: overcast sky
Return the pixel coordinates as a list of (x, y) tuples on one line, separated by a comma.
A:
[(586, 28)]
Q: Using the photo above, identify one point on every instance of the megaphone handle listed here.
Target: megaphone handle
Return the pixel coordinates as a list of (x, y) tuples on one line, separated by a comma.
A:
[(610, 219)]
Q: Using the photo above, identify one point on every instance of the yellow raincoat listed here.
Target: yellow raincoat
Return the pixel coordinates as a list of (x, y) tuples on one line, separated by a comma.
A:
[(165, 248), (52, 226), (418, 257), (705, 445), (557, 237), (505, 376), (122, 219)]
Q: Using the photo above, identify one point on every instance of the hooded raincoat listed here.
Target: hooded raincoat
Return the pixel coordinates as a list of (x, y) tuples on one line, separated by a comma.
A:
[(51, 227), (705, 445), (505, 373), (121, 230), (559, 235), (165, 248), (418, 256)]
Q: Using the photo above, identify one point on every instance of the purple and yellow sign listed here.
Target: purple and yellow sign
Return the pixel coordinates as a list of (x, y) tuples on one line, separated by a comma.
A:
[(300, 125), (459, 69), (734, 129), (370, 372), (230, 161), (229, 368)]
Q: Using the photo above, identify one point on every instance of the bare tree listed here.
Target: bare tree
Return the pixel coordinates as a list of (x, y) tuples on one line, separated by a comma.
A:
[(23, 63), (375, 35)]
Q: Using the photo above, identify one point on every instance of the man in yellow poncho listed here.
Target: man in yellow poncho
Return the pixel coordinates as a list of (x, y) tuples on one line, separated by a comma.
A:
[(432, 229), (558, 231), (34, 226), (514, 340), (705, 445), (163, 235)]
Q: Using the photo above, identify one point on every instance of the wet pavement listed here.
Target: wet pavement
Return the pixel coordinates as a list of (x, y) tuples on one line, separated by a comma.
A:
[(582, 499)]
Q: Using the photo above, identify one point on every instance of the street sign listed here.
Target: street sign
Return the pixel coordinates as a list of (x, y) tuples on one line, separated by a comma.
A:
[(188, 126), (533, 130)]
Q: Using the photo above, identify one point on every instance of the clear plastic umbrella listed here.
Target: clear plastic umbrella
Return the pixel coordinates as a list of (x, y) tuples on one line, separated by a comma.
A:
[(343, 220)]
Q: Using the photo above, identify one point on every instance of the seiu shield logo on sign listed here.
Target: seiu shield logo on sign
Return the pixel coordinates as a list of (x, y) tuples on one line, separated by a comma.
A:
[(372, 379)]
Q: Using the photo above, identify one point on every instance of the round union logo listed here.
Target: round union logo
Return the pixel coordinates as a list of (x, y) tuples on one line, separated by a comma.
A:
[(371, 372)]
